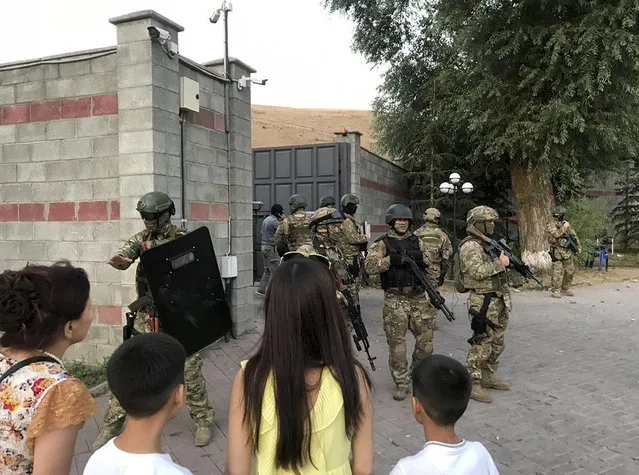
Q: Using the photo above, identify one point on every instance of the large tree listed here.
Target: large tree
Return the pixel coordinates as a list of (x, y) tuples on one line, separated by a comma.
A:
[(545, 89), (626, 213)]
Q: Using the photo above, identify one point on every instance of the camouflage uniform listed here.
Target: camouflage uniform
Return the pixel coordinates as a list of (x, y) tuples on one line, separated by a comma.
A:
[(436, 246), (350, 246), (405, 304), (563, 259), (486, 279), (197, 401), (294, 231)]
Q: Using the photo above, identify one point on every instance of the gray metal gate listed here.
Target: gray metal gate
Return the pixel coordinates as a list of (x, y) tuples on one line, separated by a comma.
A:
[(313, 171)]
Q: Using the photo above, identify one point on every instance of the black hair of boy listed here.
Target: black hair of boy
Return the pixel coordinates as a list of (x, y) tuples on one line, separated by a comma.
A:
[(442, 386), (144, 371)]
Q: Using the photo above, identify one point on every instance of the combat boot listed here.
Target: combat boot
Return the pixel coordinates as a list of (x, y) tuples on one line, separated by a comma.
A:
[(400, 393), (493, 382), (202, 436), (555, 294), (480, 394), (569, 293), (106, 434)]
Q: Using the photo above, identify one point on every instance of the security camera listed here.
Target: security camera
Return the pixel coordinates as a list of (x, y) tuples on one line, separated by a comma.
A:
[(159, 34), (216, 16), (261, 82)]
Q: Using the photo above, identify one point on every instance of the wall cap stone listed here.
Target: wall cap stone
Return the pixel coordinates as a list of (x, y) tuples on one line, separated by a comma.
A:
[(232, 60), (74, 56), (143, 15)]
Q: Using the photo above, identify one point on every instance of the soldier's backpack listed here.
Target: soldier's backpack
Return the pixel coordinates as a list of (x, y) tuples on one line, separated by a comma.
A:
[(459, 278)]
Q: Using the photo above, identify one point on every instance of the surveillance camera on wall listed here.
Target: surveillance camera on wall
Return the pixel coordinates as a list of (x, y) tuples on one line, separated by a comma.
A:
[(216, 16), (159, 34), (261, 82), (245, 81)]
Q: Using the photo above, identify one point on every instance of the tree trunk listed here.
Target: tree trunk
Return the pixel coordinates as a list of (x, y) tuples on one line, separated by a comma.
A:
[(534, 198)]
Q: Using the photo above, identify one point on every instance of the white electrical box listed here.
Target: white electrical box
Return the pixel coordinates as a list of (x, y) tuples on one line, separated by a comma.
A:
[(189, 94), (228, 267)]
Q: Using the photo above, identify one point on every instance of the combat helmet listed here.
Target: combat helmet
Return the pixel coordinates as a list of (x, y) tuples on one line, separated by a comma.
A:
[(398, 211), (327, 201), (306, 250), (559, 212), (297, 202), (156, 209), (349, 203), (432, 215), (481, 213)]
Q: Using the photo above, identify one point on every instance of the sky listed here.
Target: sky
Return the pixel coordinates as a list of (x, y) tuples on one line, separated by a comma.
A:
[(303, 50)]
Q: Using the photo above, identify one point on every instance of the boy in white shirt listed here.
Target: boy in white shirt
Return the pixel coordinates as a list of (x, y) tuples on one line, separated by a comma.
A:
[(146, 375), (441, 390)]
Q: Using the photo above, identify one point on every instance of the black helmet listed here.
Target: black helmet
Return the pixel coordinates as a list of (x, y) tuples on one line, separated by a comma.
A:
[(297, 202), (398, 211), (348, 199), (327, 201)]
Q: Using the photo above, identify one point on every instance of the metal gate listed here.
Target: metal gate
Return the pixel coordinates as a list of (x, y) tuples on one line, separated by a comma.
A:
[(313, 171)]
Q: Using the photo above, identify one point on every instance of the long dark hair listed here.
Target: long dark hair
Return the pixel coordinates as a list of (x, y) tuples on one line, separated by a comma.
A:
[(37, 301), (304, 328)]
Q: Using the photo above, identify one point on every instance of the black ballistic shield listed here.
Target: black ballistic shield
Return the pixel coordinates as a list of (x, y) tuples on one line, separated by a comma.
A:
[(187, 290)]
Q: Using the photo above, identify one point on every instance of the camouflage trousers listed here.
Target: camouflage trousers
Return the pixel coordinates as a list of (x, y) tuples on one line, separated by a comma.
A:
[(484, 352), (197, 400), (402, 312), (563, 270)]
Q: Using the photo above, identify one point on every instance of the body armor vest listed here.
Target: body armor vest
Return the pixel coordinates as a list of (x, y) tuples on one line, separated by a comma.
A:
[(399, 276)]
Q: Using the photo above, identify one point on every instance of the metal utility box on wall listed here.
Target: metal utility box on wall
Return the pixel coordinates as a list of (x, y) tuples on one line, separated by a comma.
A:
[(189, 94)]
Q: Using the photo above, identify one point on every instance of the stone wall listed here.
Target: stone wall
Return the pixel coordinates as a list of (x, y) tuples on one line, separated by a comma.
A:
[(84, 135)]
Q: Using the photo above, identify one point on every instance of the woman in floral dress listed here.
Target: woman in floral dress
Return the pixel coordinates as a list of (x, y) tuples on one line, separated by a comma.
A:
[(43, 311)]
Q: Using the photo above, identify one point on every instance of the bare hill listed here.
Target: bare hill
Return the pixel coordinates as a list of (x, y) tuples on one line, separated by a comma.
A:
[(274, 126)]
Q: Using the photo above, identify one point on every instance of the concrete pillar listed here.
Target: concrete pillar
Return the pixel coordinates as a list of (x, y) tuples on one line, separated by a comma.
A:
[(148, 126), (241, 190), (353, 138)]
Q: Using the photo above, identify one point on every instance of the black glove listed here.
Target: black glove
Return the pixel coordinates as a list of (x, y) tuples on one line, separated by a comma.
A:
[(441, 279), (397, 260), (363, 247)]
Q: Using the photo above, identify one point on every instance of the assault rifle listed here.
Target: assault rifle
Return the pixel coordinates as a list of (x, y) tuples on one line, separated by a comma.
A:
[(435, 297), (143, 302), (360, 338), (571, 243), (495, 248)]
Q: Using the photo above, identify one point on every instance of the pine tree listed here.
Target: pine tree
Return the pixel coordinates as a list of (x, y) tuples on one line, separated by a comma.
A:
[(626, 213)]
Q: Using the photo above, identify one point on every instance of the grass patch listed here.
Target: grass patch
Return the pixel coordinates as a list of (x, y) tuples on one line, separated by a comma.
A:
[(90, 374)]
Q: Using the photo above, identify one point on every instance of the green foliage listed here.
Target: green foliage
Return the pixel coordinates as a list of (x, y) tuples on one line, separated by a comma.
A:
[(591, 220), (547, 86), (626, 213), (90, 375)]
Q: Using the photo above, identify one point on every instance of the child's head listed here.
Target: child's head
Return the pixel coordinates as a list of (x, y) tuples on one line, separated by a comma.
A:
[(146, 375), (441, 390)]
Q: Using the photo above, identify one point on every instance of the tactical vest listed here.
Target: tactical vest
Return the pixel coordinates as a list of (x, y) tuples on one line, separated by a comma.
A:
[(299, 232), (399, 276)]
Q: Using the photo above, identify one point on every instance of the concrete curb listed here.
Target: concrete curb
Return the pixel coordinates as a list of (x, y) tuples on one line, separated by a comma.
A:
[(100, 389)]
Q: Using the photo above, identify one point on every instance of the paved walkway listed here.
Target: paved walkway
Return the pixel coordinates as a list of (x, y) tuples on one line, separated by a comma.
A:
[(574, 407)]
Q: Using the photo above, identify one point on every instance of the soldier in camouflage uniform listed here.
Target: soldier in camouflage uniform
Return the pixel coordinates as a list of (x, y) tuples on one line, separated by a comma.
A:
[(437, 249), (563, 258), (294, 230), (156, 209), (351, 243), (489, 304), (405, 304)]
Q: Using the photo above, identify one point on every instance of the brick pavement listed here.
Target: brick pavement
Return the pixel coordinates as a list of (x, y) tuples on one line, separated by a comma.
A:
[(574, 407)]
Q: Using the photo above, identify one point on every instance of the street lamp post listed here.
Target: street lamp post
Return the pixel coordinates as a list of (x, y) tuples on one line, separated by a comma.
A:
[(451, 188)]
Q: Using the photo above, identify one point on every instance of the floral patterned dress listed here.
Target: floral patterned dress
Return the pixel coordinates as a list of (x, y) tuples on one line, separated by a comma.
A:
[(38, 398)]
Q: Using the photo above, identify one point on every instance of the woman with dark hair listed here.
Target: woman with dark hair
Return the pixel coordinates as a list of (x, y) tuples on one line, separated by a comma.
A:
[(43, 311), (302, 404)]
